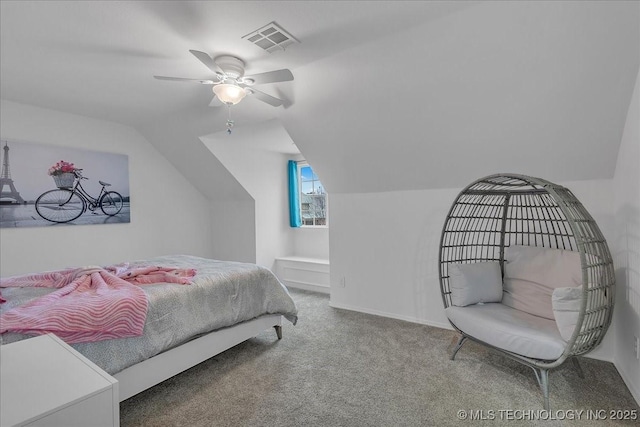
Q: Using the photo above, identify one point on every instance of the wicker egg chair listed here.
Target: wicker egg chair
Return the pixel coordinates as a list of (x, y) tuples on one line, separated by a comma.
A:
[(501, 210)]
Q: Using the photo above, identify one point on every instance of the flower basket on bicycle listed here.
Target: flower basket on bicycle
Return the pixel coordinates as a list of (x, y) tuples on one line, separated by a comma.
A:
[(64, 180)]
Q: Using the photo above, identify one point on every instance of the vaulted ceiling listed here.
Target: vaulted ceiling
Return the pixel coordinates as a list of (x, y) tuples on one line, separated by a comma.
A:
[(387, 95)]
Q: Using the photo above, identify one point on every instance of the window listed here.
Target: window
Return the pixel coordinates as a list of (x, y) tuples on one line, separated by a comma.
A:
[(313, 198)]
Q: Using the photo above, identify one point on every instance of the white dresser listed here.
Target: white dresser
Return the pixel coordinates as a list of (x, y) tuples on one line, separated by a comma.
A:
[(45, 382)]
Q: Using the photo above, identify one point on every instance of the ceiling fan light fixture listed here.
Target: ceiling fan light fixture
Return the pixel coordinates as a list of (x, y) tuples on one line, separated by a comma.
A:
[(229, 93)]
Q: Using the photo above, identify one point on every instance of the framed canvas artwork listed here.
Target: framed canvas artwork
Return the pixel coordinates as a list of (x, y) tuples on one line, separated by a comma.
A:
[(45, 185)]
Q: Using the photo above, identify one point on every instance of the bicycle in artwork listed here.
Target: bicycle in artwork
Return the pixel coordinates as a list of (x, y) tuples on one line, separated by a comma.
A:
[(70, 200)]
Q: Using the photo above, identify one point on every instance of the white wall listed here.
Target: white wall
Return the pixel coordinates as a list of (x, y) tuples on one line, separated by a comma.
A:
[(183, 227), (233, 226), (177, 138), (264, 175), (253, 157), (385, 245), (256, 156), (311, 242), (626, 247)]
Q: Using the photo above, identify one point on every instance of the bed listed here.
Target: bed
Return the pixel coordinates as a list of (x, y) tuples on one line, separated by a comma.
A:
[(226, 304)]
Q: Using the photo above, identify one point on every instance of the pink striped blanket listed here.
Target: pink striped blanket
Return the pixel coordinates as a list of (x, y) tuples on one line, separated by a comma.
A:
[(91, 304)]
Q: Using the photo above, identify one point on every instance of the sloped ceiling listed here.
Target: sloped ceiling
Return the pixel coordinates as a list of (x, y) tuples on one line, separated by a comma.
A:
[(533, 88), (387, 95)]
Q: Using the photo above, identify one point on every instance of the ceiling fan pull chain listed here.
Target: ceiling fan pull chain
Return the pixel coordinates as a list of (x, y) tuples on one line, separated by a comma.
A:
[(229, 121)]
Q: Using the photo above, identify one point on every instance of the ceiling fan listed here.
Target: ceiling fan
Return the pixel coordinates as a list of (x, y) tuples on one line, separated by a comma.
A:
[(230, 84)]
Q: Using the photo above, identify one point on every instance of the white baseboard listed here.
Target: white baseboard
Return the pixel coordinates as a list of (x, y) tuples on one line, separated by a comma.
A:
[(391, 315), (604, 359), (628, 380)]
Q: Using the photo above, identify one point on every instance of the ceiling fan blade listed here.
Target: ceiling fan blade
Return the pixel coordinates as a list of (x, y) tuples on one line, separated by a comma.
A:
[(271, 77), (207, 60), (271, 100), (182, 79)]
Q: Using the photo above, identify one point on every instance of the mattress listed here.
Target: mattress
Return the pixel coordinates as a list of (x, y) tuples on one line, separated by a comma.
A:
[(222, 294)]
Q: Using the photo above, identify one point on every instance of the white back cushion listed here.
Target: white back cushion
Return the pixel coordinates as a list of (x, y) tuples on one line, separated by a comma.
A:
[(532, 273), (475, 283)]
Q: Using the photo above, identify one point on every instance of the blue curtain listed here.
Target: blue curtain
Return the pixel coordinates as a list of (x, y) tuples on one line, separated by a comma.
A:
[(294, 200)]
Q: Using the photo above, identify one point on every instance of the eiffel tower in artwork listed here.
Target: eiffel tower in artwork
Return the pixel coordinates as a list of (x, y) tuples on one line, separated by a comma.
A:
[(5, 179)]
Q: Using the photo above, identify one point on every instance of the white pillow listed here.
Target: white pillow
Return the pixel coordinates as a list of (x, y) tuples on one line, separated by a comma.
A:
[(566, 304), (475, 283), (531, 274)]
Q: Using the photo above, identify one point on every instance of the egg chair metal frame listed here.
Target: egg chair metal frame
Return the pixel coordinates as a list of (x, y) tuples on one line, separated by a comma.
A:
[(501, 210)]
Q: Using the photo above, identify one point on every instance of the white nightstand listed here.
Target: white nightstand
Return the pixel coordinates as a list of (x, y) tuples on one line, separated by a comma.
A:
[(45, 382)]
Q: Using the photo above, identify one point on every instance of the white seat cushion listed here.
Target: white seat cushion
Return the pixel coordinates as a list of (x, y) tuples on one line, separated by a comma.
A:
[(509, 329)]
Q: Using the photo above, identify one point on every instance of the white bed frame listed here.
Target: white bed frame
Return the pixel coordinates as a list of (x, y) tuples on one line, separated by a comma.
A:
[(150, 372)]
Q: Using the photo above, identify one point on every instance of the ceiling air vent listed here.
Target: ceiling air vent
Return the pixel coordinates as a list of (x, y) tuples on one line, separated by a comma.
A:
[(271, 37)]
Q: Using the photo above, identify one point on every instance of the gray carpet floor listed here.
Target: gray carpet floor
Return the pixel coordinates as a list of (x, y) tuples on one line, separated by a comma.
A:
[(342, 368)]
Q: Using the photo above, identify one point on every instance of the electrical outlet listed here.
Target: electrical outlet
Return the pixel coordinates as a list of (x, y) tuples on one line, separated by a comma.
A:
[(636, 347), (343, 282)]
